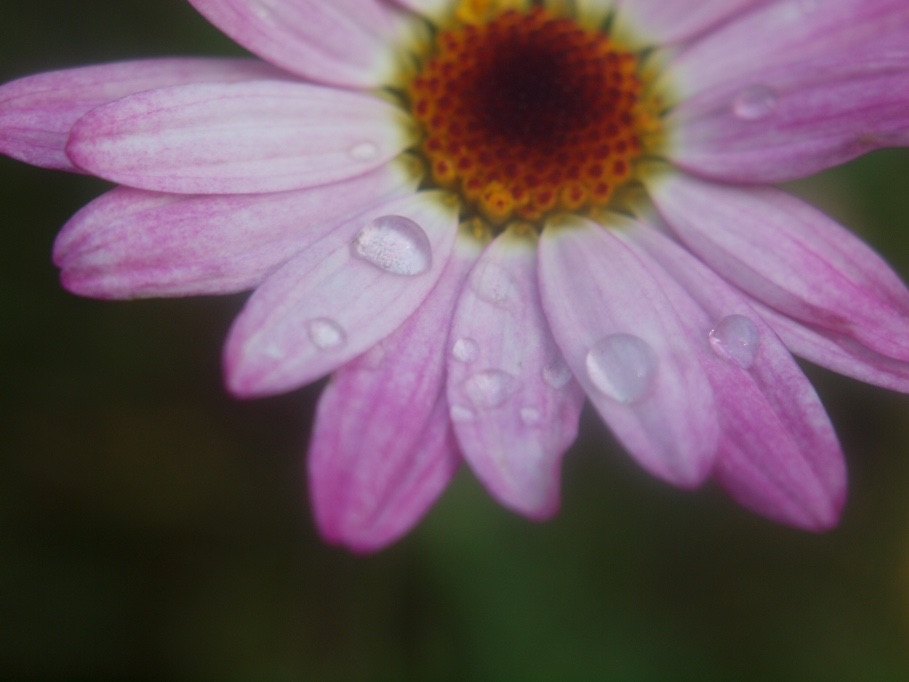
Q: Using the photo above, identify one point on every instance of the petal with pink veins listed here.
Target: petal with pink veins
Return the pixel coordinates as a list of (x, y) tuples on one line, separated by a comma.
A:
[(131, 243), (382, 449), (340, 295), (778, 455), (836, 352), (37, 112), (340, 42), (658, 22), (230, 138), (514, 405), (790, 256), (623, 340), (777, 95)]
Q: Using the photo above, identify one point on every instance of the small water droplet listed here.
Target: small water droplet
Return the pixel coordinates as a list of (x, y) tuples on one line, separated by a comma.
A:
[(465, 350), (493, 283), (326, 333), (622, 367), (754, 102), (461, 414), (262, 9), (556, 374), (491, 388), (736, 338), (530, 416), (395, 244), (364, 151)]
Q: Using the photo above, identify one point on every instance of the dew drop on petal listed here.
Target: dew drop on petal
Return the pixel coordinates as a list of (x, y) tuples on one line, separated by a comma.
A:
[(530, 416), (754, 102), (622, 367), (364, 151), (736, 338), (556, 374), (494, 284), (395, 244), (326, 333), (491, 388), (465, 350), (461, 414)]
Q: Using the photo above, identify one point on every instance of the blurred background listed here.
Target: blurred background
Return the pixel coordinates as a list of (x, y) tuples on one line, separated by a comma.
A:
[(152, 526)]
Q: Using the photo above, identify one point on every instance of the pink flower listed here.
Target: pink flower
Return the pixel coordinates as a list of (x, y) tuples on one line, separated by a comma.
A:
[(475, 214)]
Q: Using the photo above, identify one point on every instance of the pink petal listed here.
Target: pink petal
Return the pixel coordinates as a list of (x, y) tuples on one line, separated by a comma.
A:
[(261, 136), (791, 257), (340, 295), (514, 406), (133, 243), (779, 95), (621, 337), (382, 448), (427, 8), (37, 112), (341, 42), (658, 22), (838, 353), (779, 455)]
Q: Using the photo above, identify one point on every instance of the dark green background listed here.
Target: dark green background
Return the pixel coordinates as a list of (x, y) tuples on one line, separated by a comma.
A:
[(152, 526)]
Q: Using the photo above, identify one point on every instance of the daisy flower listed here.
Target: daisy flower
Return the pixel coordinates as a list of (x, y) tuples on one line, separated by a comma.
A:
[(474, 215)]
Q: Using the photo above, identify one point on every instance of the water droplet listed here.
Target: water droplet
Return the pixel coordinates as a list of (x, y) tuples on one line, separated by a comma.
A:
[(465, 350), (491, 388), (622, 367), (556, 374), (364, 151), (493, 283), (395, 244), (754, 102), (326, 333), (461, 414), (736, 338), (530, 416)]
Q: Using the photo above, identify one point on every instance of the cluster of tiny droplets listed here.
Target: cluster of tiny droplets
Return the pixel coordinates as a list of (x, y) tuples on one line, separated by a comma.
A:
[(528, 114)]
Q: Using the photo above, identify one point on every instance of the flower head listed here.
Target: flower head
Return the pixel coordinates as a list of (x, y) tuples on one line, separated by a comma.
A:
[(476, 214)]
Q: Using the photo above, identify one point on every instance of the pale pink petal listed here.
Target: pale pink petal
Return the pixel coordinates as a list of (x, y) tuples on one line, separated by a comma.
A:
[(791, 257), (778, 96), (37, 112), (514, 406), (779, 455), (341, 295), (428, 8), (132, 243), (658, 22), (341, 42), (382, 449), (261, 136), (621, 337), (839, 353)]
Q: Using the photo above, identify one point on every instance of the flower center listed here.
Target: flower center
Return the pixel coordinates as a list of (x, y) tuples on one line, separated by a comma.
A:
[(530, 113)]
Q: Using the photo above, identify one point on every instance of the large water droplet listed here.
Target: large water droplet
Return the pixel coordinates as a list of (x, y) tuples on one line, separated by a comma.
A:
[(326, 333), (556, 374), (491, 388), (622, 367), (364, 151), (395, 244), (530, 416), (465, 350), (461, 414), (754, 102), (494, 284), (736, 338)]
